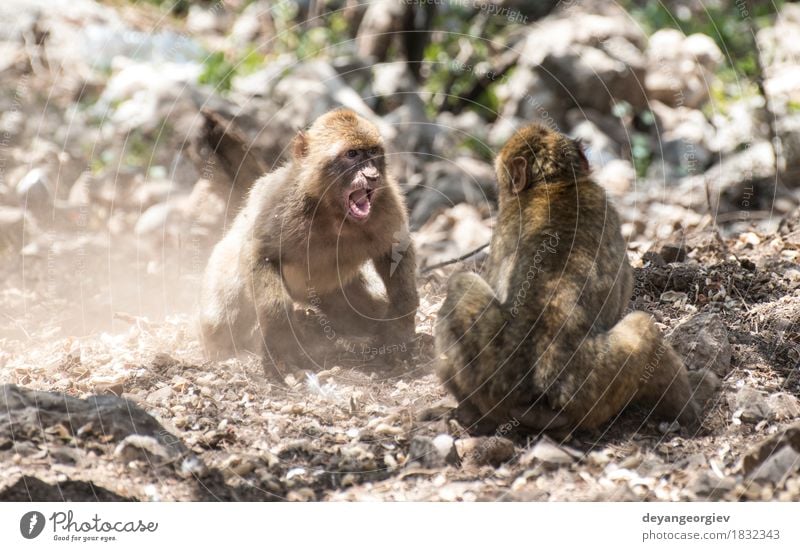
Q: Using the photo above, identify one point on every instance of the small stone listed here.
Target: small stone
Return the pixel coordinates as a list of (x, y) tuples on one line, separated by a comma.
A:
[(160, 396), (485, 450), (423, 450), (136, 447), (239, 466), (709, 485), (673, 253), (192, 466), (548, 453), (673, 296), (667, 428), (777, 467), (749, 405), (33, 191), (14, 228), (444, 444), (702, 342), (783, 406), (654, 259), (384, 429)]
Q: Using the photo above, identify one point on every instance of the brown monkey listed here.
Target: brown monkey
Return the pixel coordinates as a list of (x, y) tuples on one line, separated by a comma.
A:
[(303, 238), (541, 339)]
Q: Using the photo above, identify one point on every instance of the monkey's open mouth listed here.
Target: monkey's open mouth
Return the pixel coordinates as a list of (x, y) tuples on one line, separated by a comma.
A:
[(359, 202)]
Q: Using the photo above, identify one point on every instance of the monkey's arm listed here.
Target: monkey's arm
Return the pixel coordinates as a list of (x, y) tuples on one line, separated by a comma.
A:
[(282, 338), (397, 270)]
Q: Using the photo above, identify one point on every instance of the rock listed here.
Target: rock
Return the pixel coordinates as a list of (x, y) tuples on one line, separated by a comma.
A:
[(432, 453), (783, 406), (448, 183), (777, 467), (33, 191), (15, 228), (26, 414), (206, 206), (617, 177), (779, 52), (743, 180), (673, 253), (142, 95), (390, 79), (153, 192), (141, 448), (753, 406), (705, 385), (382, 21), (598, 78), (410, 151), (29, 488), (452, 233), (599, 148), (213, 20), (445, 445), (702, 342), (259, 84), (323, 90), (680, 68), (254, 24), (709, 486), (685, 140), (788, 129), (749, 405), (160, 397), (163, 221), (485, 450), (758, 454), (588, 59), (525, 95), (739, 127), (548, 453)]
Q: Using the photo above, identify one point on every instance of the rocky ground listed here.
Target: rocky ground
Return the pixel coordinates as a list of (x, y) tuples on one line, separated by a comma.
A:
[(112, 192)]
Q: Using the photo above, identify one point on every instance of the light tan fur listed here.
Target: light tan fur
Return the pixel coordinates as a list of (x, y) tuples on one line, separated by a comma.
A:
[(295, 245)]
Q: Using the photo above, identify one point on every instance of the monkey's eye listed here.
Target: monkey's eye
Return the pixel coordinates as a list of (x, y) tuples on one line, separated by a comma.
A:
[(373, 151), (351, 153)]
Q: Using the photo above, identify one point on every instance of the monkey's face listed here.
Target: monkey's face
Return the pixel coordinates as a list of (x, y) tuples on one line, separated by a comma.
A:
[(361, 173)]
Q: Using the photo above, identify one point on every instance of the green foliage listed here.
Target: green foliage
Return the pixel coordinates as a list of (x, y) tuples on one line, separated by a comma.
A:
[(487, 103), (328, 36), (217, 71), (477, 147), (726, 22), (449, 80), (176, 7), (641, 150), (641, 154)]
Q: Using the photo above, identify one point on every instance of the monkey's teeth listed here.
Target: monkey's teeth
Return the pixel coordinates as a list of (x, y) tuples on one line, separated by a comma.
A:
[(359, 203)]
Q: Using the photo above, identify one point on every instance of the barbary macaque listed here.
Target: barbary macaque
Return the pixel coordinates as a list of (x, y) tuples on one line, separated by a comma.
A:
[(303, 240), (542, 339)]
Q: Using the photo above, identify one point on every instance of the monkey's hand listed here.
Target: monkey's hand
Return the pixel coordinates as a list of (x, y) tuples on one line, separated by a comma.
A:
[(398, 274)]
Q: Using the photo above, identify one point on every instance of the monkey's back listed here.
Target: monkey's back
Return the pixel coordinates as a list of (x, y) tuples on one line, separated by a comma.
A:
[(566, 273)]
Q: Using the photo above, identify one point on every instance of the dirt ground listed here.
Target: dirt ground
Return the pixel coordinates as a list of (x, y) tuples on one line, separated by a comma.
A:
[(84, 316)]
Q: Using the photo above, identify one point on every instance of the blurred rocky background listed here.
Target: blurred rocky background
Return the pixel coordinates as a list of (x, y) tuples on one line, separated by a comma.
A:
[(131, 131)]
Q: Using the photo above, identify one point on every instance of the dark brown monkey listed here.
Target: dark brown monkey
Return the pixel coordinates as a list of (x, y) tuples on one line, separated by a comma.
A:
[(303, 239), (542, 338)]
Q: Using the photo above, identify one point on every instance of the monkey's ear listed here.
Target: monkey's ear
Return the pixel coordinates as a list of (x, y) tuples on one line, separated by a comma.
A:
[(519, 174), (300, 145), (582, 160)]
